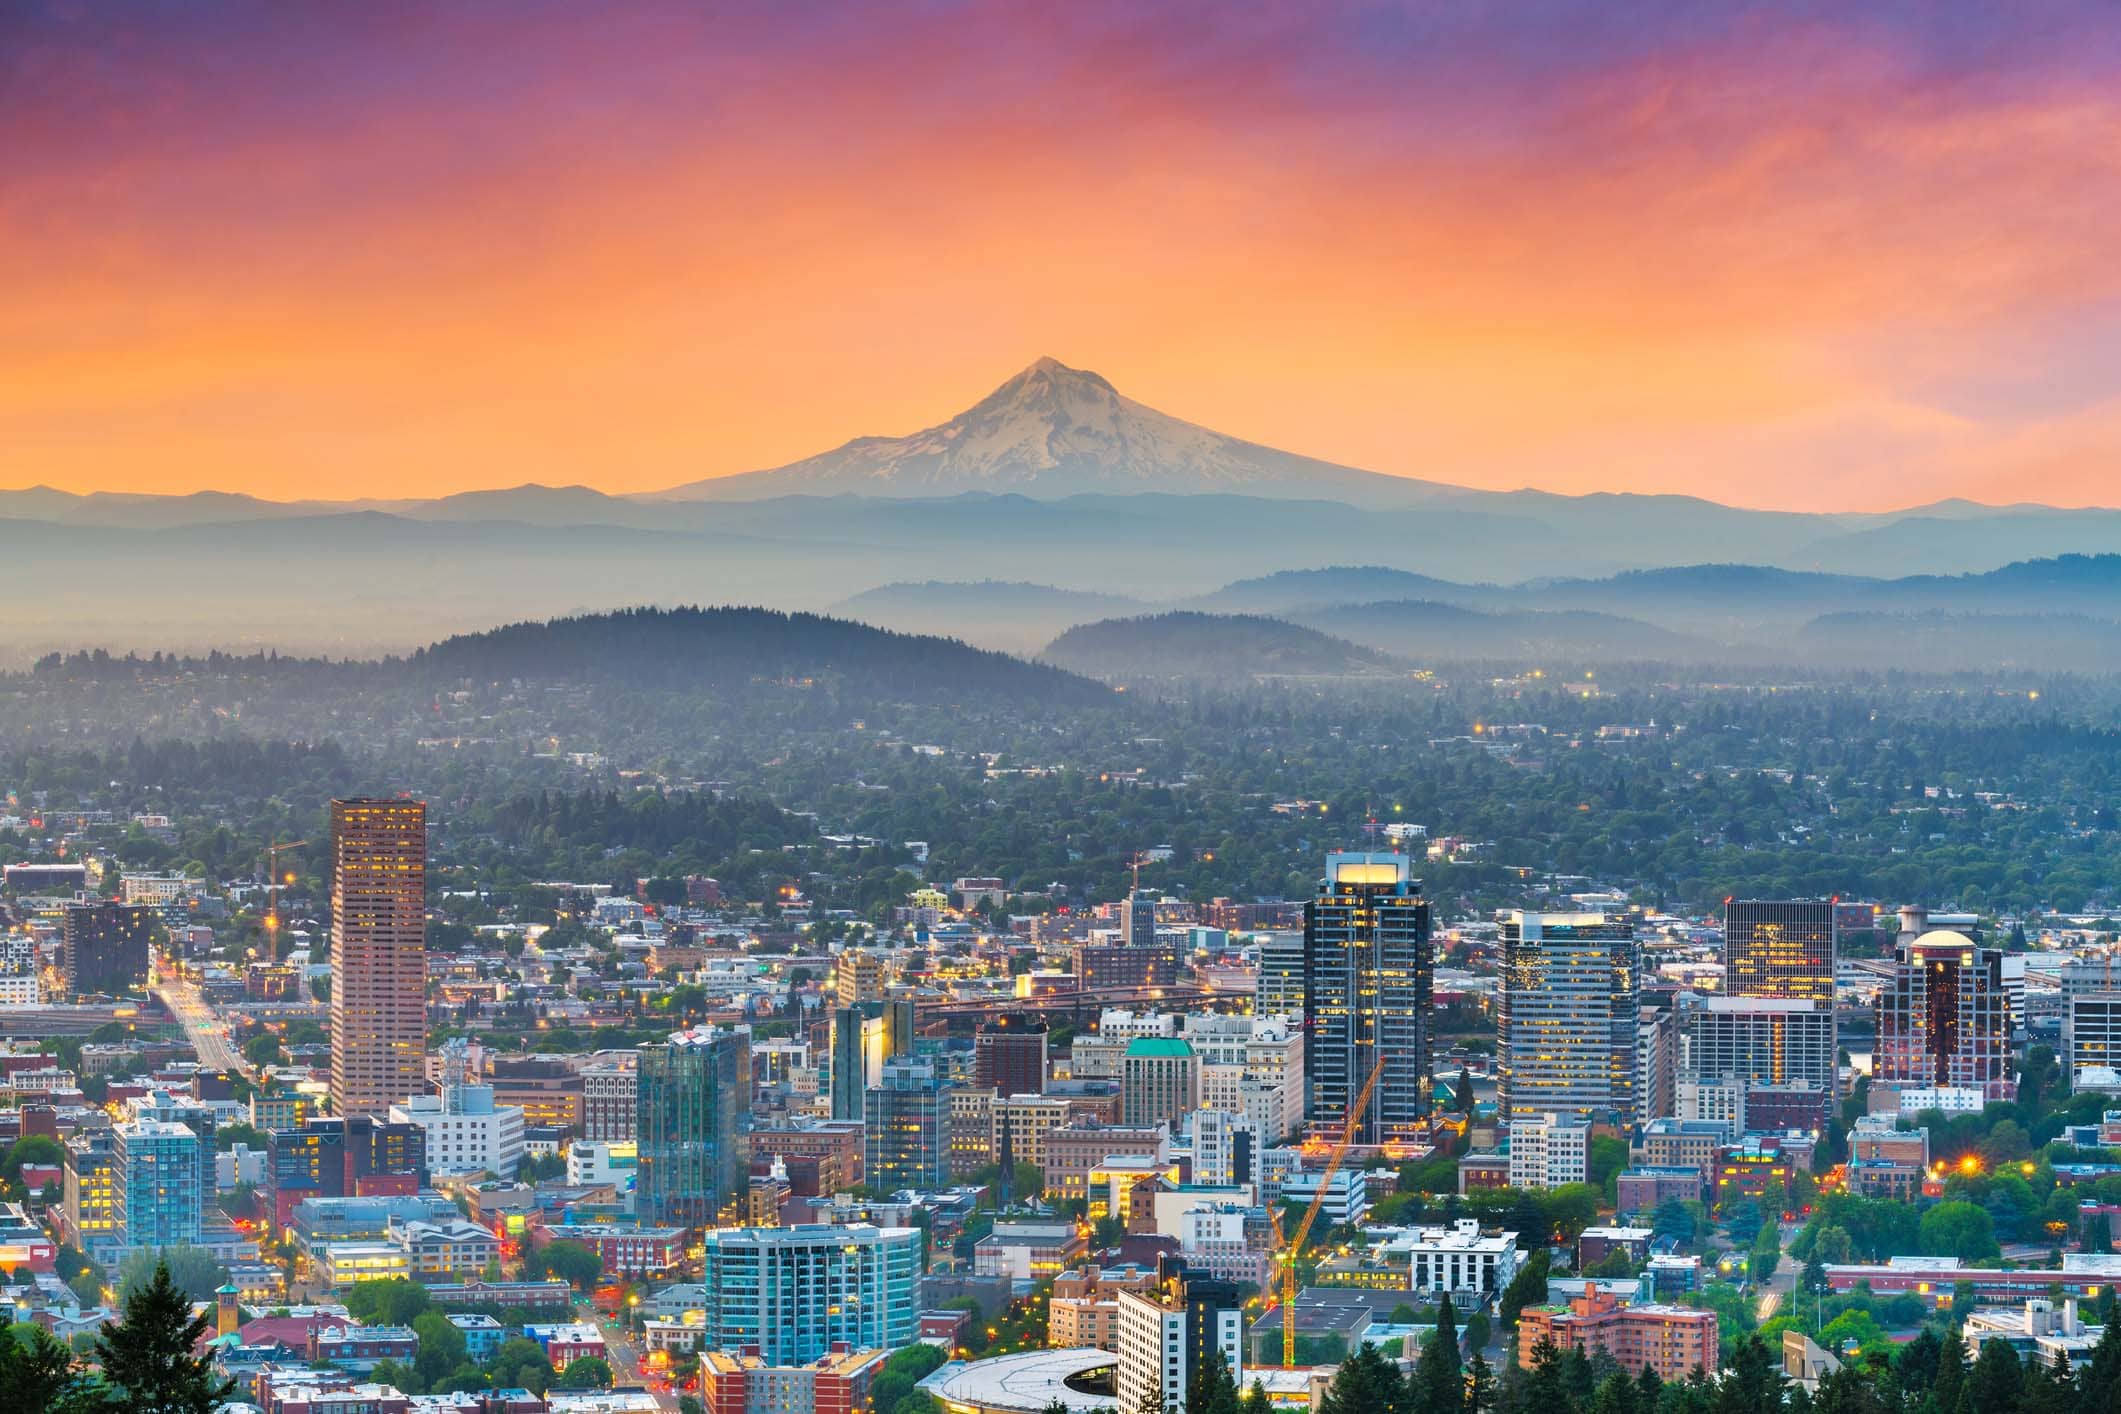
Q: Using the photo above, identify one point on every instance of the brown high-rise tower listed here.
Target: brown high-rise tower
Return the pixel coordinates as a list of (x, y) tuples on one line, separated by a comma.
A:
[(378, 953)]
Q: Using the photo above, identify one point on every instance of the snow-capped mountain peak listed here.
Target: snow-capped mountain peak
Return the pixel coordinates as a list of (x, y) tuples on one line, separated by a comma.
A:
[(1050, 431)]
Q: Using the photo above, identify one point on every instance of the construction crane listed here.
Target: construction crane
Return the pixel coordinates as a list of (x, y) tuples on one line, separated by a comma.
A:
[(1290, 1250), (272, 895)]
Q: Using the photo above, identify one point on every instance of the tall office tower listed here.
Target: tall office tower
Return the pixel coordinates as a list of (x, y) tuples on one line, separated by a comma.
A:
[(1779, 948), (864, 1038), (1785, 948), (1009, 1056), (906, 1128), (692, 1104), (796, 1291), (1570, 1009), (2091, 1026), (378, 953), (109, 947), (1169, 1337), (1159, 1081), (155, 1168), (1137, 919), (1656, 1063), (1369, 973), (1944, 1018), (1281, 975), (1771, 1041)]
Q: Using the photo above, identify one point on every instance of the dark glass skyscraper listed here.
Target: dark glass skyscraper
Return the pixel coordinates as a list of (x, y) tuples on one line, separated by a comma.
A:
[(108, 946), (692, 1106), (1368, 980)]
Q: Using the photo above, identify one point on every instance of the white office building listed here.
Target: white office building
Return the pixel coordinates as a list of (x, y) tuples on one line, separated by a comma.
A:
[(1459, 1260), (1547, 1151), (466, 1131)]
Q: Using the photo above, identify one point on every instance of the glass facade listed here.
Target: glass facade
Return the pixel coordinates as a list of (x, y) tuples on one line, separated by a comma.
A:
[(1569, 1011), (906, 1129), (691, 1107), (1369, 973), (794, 1291), (1779, 948)]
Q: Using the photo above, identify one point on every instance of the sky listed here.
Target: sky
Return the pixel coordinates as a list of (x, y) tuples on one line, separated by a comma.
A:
[(1813, 257)]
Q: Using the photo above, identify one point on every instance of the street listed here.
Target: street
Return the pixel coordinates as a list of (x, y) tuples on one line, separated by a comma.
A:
[(202, 1026)]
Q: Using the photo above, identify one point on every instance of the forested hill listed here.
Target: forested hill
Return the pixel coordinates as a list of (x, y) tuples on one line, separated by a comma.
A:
[(1184, 644), (729, 647)]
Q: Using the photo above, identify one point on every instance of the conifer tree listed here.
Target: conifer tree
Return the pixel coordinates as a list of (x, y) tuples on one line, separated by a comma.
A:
[(147, 1355)]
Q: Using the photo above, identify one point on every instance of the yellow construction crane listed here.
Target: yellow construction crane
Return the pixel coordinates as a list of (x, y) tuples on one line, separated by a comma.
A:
[(1291, 1250), (272, 894)]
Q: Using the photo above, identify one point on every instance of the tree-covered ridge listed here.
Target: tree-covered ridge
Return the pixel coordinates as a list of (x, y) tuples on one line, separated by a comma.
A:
[(730, 646), (1186, 644)]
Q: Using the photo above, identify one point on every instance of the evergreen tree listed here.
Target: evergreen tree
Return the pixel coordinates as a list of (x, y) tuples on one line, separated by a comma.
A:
[(1915, 1366), (1949, 1387), (1615, 1395), (1751, 1383), (2095, 1387), (1217, 1390), (1577, 1378), (37, 1373), (2050, 1388), (1996, 1384), (1256, 1401), (1649, 1389), (1439, 1388), (1366, 1383), (147, 1355), (1480, 1385)]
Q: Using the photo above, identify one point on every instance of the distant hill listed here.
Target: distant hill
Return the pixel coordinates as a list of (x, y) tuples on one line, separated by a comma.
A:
[(734, 647), (1185, 644), (1946, 642), (1340, 584), (1426, 631), (1008, 616)]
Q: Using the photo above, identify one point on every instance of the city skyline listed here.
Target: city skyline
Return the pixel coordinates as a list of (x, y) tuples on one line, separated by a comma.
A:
[(1818, 259)]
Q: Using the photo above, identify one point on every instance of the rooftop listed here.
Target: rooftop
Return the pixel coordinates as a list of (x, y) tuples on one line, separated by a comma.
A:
[(1022, 1384)]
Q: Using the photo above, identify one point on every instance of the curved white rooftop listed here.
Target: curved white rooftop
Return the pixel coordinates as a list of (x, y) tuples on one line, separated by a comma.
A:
[(1944, 938), (1020, 1384)]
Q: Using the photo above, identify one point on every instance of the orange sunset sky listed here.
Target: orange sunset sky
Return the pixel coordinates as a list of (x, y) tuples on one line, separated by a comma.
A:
[(1813, 257)]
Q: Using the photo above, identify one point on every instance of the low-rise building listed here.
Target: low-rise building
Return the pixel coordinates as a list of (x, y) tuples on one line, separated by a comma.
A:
[(1674, 1341), (837, 1382), (567, 1342), (1028, 1251), (1459, 1261), (1084, 1311), (1643, 1189)]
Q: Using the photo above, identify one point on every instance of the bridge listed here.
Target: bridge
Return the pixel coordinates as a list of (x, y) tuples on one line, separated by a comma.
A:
[(1074, 1006)]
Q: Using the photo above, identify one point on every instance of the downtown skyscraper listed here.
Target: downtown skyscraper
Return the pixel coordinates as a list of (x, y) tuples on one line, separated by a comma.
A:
[(378, 953), (1369, 976), (692, 1106), (1571, 1005), (1782, 952)]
